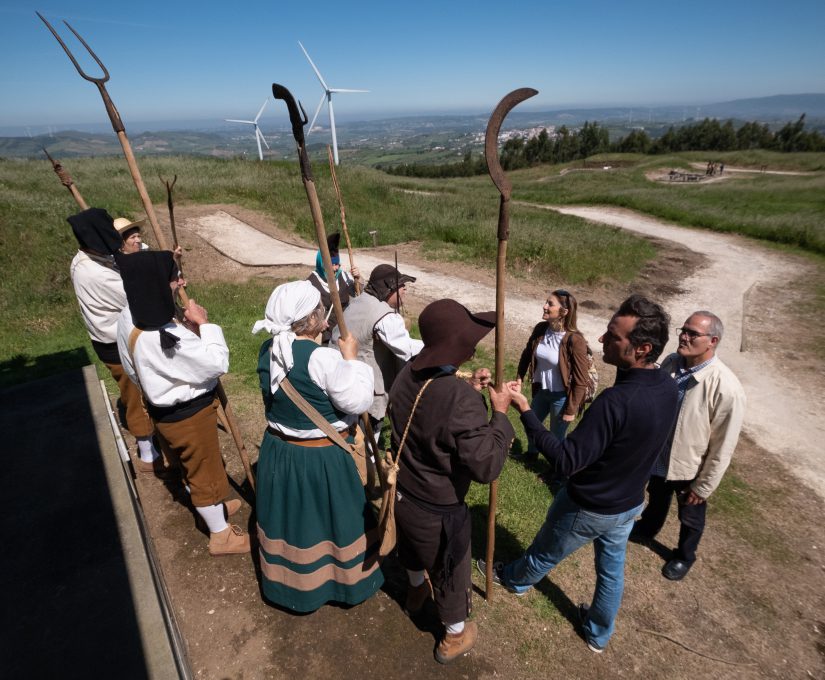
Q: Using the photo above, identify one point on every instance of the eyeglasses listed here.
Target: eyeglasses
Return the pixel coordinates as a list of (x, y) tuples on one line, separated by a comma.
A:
[(560, 291), (691, 333)]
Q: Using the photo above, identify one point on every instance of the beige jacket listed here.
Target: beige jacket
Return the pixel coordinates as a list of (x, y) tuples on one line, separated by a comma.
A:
[(708, 425)]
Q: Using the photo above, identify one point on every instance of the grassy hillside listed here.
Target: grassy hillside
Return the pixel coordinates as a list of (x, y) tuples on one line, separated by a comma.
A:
[(38, 312), (453, 219)]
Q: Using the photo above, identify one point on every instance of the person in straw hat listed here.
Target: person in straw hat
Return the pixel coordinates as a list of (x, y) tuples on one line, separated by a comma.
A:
[(130, 232), (177, 367), (315, 525), (99, 290), (450, 443)]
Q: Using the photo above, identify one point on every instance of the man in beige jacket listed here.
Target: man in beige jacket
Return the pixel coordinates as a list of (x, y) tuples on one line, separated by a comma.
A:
[(712, 406)]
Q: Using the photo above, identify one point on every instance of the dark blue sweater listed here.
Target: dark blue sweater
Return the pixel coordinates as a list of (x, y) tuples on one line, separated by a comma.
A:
[(609, 456)]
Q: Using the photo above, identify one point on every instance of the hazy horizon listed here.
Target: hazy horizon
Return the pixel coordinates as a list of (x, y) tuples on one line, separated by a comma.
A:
[(169, 62)]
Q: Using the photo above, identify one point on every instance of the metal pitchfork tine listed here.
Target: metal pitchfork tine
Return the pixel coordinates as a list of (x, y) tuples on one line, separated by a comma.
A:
[(117, 123)]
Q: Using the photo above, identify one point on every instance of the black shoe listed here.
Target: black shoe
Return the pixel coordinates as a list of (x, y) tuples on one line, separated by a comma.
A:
[(676, 570), (583, 609), (498, 575)]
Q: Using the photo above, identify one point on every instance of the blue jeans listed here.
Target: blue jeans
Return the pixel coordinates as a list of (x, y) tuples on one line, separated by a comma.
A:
[(567, 528), (546, 403)]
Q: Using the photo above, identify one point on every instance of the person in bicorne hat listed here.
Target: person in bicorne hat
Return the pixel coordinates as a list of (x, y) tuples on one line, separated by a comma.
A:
[(384, 343), (344, 279), (99, 290), (451, 442), (177, 366)]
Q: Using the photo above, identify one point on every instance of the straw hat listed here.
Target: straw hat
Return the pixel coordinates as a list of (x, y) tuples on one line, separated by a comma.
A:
[(123, 224)]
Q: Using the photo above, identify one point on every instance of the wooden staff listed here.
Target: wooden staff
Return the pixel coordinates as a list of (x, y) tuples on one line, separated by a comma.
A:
[(67, 181), (343, 216), (225, 414), (505, 188)]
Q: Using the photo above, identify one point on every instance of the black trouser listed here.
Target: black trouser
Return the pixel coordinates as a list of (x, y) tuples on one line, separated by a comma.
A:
[(421, 546), (691, 517)]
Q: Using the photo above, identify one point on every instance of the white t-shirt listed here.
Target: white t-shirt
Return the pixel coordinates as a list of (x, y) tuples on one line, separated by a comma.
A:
[(546, 370)]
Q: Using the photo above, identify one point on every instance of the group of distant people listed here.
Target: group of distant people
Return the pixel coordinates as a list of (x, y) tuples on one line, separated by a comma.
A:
[(712, 168), (671, 429)]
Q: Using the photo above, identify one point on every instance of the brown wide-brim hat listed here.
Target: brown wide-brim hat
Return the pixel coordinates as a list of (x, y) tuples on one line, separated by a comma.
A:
[(450, 333), (385, 280), (124, 224)]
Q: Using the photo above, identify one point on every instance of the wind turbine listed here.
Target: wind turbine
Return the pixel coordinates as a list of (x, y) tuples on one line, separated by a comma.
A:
[(328, 91), (258, 135)]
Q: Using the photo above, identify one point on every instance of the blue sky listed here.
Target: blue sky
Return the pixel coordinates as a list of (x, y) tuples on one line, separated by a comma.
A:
[(192, 60)]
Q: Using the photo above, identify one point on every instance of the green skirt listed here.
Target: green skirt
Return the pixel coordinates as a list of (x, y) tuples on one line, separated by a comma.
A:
[(316, 529)]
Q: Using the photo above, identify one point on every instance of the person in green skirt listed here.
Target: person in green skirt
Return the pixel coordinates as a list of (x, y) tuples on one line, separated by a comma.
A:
[(317, 532)]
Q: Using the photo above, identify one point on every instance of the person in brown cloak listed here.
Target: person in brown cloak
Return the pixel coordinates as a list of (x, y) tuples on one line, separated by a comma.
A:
[(450, 443)]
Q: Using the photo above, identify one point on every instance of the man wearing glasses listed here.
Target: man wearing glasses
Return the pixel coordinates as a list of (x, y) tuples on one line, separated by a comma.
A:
[(712, 406)]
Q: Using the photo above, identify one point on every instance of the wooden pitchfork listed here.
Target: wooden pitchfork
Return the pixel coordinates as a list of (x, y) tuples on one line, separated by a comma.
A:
[(117, 125), (343, 215)]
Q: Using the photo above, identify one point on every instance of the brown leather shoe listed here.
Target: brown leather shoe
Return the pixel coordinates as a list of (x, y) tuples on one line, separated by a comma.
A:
[(231, 541), (455, 645), (417, 596), (155, 469)]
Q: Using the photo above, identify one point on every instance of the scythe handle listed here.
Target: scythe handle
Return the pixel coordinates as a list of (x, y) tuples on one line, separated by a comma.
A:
[(503, 185)]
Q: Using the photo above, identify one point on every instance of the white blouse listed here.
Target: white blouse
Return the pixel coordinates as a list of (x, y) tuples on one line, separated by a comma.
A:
[(173, 376)]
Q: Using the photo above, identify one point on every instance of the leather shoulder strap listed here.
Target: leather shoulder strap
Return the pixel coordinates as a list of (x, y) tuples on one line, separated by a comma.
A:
[(312, 413)]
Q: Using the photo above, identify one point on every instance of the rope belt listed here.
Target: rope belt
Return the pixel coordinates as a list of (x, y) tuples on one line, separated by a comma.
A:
[(308, 443)]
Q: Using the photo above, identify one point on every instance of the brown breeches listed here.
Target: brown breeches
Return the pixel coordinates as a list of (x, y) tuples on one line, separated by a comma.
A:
[(137, 420), (194, 442), (420, 546)]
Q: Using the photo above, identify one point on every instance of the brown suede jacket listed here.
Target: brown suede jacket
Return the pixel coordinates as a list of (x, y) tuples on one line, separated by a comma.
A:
[(573, 365)]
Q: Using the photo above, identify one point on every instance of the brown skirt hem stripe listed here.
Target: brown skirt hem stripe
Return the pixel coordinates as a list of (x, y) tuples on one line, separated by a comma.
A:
[(316, 552), (305, 582)]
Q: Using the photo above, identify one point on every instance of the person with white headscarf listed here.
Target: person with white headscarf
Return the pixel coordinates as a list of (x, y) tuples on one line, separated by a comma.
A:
[(315, 525)]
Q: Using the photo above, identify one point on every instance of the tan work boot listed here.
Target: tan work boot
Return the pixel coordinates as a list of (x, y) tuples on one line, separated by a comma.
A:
[(155, 469), (231, 507), (454, 645), (417, 596), (231, 541)]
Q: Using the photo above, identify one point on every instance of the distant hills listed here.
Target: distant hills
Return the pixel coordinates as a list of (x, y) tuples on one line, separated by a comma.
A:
[(375, 140)]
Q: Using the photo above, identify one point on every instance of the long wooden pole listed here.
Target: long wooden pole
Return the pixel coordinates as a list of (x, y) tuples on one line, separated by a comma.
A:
[(343, 216), (67, 181)]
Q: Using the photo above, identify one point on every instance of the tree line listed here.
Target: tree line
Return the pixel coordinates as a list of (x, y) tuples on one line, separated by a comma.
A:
[(570, 145)]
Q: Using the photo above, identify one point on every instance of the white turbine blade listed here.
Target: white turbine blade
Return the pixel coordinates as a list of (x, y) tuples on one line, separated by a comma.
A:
[(263, 139), (338, 89), (334, 137), (258, 139), (314, 68), (317, 111), (266, 101), (234, 120)]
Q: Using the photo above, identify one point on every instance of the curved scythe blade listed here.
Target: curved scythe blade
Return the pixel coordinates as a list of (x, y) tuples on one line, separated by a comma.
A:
[(504, 107)]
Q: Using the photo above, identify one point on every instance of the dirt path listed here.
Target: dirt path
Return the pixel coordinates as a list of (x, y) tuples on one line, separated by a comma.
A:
[(737, 272)]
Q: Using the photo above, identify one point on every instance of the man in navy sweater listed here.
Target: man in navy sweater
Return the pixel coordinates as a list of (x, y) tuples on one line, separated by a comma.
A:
[(608, 459)]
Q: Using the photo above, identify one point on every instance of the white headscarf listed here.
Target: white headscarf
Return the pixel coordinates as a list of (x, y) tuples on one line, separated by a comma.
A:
[(289, 302)]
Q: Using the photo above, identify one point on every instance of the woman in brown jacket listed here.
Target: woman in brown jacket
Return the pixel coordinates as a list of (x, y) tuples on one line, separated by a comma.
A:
[(555, 361)]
